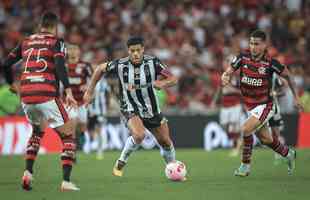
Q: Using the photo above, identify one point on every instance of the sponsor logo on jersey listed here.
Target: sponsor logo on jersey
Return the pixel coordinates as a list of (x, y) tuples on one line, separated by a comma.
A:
[(252, 81), (262, 70)]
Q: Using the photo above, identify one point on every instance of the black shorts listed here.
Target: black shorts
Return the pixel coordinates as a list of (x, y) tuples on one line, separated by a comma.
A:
[(149, 123), (276, 120), (94, 122)]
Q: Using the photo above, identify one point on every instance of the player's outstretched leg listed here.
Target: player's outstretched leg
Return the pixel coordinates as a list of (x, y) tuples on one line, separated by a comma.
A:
[(32, 149), (67, 156), (162, 136), (272, 141), (133, 142)]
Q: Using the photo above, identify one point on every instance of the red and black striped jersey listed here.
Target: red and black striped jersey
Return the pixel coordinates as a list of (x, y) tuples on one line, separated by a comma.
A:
[(79, 74), (256, 78), (38, 77)]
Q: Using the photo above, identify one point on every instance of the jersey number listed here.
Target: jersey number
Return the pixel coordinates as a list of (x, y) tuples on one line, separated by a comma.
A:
[(38, 60)]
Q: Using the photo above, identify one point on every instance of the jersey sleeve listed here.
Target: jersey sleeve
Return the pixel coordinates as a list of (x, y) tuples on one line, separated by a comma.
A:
[(276, 66), (60, 48), (160, 68), (112, 67), (14, 56), (236, 62)]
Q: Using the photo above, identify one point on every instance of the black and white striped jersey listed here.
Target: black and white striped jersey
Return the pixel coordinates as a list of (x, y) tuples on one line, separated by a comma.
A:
[(137, 93), (98, 107), (276, 86)]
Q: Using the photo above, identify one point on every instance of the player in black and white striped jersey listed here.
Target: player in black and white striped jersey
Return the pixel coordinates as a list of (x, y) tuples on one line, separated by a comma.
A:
[(138, 76), (97, 120), (276, 123)]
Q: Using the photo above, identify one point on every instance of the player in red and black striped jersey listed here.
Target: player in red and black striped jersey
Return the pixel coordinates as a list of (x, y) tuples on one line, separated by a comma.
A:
[(256, 70), (43, 63), (79, 74)]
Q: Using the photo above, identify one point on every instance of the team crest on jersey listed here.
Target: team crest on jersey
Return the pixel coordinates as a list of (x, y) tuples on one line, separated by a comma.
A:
[(137, 71), (262, 70)]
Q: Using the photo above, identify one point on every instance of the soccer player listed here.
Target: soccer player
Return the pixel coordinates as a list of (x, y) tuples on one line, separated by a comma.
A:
[(97, 112), (256, 70), (43, 60), (276, 122), (138, 75), (79, 73)]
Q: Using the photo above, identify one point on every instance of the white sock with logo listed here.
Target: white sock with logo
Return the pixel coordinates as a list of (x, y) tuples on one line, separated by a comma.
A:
[(168, 153), (130, 146)]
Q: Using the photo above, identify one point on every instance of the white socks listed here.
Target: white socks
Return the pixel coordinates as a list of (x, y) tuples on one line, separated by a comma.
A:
[(130, 146), (168, 153)]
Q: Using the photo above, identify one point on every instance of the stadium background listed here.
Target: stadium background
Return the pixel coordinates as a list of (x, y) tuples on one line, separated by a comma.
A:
[(193, 38)]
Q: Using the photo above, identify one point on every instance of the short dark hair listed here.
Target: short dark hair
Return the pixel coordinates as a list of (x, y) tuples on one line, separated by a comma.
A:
[(134, 40), (49, 19), (259, 34)]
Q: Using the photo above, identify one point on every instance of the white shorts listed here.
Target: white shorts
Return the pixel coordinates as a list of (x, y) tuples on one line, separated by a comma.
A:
[(79, 113), (52, 112), (232, 116), (263, 112)]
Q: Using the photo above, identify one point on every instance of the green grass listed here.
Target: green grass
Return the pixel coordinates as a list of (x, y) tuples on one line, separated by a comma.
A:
[(210, 177)]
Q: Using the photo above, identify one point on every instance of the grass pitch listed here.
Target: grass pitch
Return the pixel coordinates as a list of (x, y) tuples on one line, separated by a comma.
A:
[(209, 177)]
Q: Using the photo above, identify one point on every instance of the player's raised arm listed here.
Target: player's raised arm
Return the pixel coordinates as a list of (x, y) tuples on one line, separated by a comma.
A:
[(235, 64), (226, 76), (167, 79), (14, 56), (99, 71)]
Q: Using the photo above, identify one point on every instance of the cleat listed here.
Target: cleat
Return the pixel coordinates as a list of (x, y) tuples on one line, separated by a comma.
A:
[(118, 168), (68, 186), (291, 161), (243, 170), (27, 180)]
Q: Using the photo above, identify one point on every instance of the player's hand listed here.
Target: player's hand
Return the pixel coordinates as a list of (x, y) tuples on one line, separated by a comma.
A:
[(83, 88), (159, 84), (70, 101), (14, 88), (298, 105), (225, 79), (88, 97)]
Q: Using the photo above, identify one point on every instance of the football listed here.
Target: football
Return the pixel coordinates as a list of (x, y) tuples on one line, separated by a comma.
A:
[(176, 171)]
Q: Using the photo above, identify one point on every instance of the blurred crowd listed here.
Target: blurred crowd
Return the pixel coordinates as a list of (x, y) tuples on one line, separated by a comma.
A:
[(194, 38)]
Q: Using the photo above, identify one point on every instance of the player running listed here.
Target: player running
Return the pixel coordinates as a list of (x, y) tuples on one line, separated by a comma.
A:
[(97, 112), (138, 75), (276, 122), (256, 70), (79, 73), (43, 61)]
